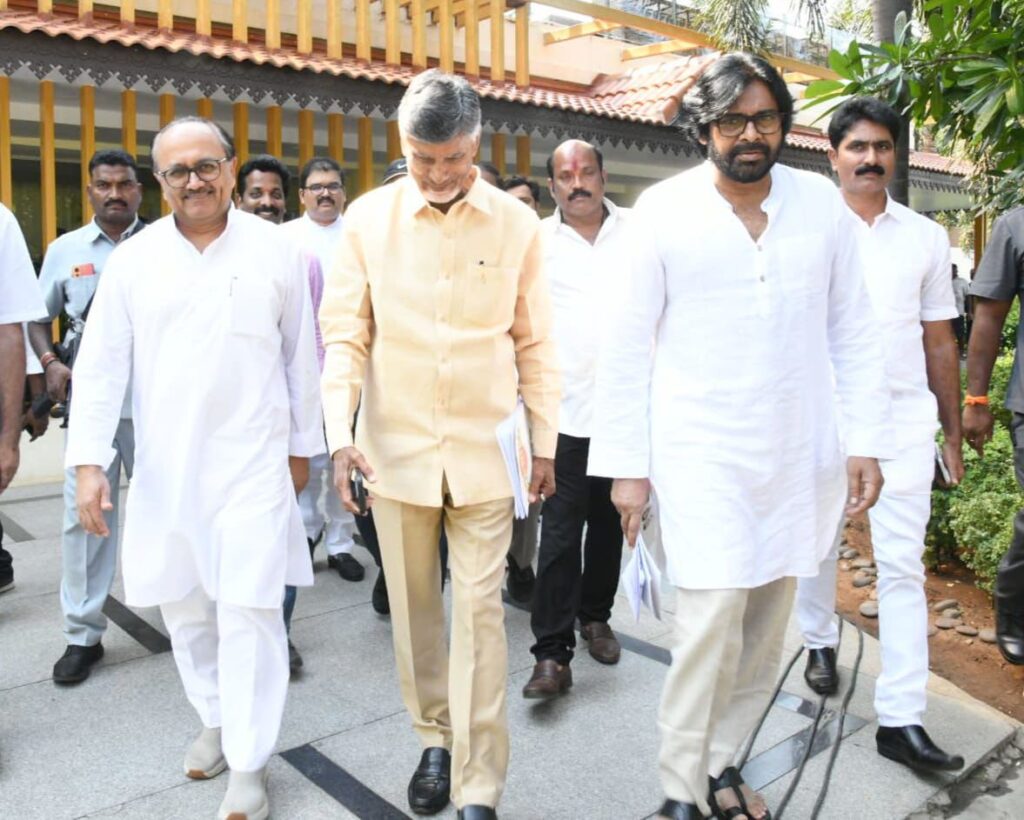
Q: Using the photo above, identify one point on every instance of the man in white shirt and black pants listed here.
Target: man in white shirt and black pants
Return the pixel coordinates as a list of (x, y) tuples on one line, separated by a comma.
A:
[(584, 250), (906, 262)]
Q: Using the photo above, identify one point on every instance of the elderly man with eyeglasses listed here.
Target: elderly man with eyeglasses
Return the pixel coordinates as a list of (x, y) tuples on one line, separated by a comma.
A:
[(209, 314)]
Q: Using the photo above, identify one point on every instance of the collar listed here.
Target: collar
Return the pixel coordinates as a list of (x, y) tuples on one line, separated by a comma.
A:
[(95, 232), (478, 196), (893, 210), (771, 203), (335, 225), (607, 226)]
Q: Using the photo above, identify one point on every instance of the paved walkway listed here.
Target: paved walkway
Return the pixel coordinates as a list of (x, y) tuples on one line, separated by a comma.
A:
[(113, 746)]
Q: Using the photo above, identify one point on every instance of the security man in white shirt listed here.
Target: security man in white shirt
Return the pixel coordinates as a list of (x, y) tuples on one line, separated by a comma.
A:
[(584, 250), (906, 263)]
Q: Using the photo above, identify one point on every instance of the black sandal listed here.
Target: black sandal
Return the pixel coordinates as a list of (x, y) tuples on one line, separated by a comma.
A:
[(730, 778)]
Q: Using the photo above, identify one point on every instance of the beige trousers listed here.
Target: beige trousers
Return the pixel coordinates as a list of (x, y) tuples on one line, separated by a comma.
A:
[(456, 698), (725, 659)]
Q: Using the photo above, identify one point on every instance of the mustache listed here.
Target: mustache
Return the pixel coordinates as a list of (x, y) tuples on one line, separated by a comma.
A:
[(110, 202), (268, 209), (748, 148), (870, 169), (325, 199), (579, 192)]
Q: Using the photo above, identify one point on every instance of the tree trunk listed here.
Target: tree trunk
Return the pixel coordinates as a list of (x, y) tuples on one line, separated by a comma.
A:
[(883, 14)]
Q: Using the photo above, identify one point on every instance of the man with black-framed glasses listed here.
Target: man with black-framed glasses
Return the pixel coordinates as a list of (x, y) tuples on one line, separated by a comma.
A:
[(71, 271), (209, 313), (318, 231)]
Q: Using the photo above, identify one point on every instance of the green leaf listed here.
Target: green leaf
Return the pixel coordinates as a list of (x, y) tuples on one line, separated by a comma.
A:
[(840, 64)]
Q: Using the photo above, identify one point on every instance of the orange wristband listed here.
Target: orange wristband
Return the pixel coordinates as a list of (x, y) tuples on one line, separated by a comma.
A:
[(971, 400)]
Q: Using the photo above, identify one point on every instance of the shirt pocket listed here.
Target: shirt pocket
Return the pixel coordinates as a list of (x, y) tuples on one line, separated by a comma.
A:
[(804, 267), (489, 295)]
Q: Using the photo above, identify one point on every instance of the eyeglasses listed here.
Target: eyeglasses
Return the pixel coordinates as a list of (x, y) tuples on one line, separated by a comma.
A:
[(732, 125), (177, 176), (330, 187)]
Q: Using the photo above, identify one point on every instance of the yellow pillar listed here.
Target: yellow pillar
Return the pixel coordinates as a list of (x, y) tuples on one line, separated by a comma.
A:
[(336, 137), (45, 6), (304, 35), (275, 143), (394, 141), (129, 116), (240, 121), (128, 11), (166, 115), (497, 41), (523, 162), (363, 30), (392, 41), (6, 190), (980, 237), (47, 162), (239, 21), (272, 28), (472, 13), (365, 167), (204, 107), (165, 14), (307, 126), (204, 25), (333, 29), (84, 7), (87, 141), (523, 45), (498, 149), (446, 27), (419, 34)]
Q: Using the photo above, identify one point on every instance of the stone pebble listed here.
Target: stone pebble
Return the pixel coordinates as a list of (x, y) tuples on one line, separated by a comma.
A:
[(932, 630), (945, 603), (869, 609), (987, 635), (862, 563), (952, 612), (862, 580), (964, 629), (946, 623), (850, 554)]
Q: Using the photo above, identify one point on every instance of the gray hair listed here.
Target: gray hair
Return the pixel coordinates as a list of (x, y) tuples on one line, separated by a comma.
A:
[(438, 107)]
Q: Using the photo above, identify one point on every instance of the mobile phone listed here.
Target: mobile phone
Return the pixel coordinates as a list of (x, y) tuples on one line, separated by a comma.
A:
[(358, 487)]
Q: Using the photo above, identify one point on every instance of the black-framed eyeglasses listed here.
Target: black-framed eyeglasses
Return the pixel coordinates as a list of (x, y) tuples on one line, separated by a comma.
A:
[(177, 176), (766, 122), (330, 187)]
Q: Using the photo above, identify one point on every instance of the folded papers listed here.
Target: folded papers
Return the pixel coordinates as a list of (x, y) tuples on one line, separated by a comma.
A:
[(514, 441), (641, 581)]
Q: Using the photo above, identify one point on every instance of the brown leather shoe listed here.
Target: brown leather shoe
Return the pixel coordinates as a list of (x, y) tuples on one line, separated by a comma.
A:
[(549, 679), (604, 646)]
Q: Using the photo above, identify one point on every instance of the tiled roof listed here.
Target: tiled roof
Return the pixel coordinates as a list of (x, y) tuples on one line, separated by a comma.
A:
[(812, 140), (102, 31), (649, 93)]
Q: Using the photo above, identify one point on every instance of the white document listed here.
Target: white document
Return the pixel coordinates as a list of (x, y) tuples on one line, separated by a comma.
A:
[(514, 440), (641, 581)]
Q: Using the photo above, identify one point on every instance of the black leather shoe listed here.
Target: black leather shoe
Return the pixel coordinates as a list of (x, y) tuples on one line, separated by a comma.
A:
[(520, 582), (911, 746), (1010, 632), (379, 598), (430, 787), (76, 663), (674, 810), (348, 567), (821, 673), (477, 813)]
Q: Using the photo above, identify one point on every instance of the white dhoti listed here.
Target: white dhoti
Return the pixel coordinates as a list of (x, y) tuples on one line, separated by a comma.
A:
[(727, 647), (898, 524), (233, 663)]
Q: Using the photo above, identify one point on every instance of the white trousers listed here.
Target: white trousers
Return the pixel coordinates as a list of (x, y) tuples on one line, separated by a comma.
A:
[(898, 524), (727, 648), (233, 663), (337, 522)]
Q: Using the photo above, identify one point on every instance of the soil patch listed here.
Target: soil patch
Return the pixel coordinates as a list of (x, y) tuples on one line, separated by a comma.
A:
[(967, 661)]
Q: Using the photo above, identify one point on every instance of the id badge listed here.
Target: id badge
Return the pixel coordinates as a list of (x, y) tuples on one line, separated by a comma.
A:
[(86, 269)]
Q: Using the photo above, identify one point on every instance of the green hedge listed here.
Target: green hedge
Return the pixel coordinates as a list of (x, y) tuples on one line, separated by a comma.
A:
[(974, 522)]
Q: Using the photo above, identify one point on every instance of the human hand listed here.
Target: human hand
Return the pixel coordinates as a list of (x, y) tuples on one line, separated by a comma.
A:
[(92, 498), (865, 483), (345, 460), (630, 497), (10, 457), (977, 426), (542, 479), (299, 468), (57, 375), (952, 457)]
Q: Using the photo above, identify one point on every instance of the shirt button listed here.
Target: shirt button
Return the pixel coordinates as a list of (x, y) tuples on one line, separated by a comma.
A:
[(762, 278)]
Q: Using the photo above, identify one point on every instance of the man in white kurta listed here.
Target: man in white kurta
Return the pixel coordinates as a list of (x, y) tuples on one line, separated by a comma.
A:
[(746, 278), (209, 313), (906, 263)]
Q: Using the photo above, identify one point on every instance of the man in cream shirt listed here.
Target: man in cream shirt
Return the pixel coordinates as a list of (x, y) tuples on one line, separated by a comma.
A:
[(436, 313)]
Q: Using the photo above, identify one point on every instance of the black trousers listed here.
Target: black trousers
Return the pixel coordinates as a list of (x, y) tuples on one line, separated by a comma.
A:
[(573, 581), (1010, 579), (6, 559)]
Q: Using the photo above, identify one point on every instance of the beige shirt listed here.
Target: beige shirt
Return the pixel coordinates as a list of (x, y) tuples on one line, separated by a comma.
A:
[(437, 321)]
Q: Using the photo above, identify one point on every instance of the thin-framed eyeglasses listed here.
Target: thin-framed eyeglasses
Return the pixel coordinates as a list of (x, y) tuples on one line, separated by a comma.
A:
[(766, 122), (319, 188), (177, 176)]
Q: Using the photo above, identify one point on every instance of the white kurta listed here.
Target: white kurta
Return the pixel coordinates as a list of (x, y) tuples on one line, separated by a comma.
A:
[(735, 421), (226, 387)]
